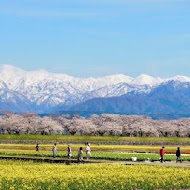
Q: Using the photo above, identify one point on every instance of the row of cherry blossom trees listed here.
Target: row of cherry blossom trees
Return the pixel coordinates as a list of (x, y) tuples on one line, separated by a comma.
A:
[(105, 124)]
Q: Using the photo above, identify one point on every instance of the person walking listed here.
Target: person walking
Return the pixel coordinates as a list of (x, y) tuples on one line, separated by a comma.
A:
[(88, 151), (80, 155), (69, 151), (37, 147), (162, 152), (54, 150), (178, 155)]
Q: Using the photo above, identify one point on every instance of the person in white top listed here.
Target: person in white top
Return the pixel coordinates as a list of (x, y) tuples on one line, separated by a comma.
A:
[(88, 151), (69, 152), (80, 155), (54, 150)]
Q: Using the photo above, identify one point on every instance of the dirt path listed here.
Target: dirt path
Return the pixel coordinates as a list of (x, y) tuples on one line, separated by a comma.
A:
[(184, 164)]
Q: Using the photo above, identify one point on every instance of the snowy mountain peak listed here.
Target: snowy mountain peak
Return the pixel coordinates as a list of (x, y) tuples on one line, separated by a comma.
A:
[(10, 68), (9, 71), (119, 78), (180, 78), (44, 90), (147, 80)]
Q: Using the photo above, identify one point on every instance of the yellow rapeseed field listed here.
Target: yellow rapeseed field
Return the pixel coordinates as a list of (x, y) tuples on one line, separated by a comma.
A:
[(41, 176)]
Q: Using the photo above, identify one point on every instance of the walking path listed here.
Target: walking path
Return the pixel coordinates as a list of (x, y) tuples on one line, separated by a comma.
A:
[(185, 164)]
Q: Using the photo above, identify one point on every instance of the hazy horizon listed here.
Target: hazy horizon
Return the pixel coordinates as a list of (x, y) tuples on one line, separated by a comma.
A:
[(62, 73)]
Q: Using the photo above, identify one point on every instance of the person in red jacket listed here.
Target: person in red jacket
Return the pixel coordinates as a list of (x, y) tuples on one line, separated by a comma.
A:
[(162, 152)]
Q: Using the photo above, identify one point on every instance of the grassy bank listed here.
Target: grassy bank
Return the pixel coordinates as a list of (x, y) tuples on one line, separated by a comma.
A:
[(100, 156), (97, 139)]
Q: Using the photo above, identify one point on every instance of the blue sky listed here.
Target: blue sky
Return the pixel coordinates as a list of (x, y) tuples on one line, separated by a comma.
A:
[(97, 37)]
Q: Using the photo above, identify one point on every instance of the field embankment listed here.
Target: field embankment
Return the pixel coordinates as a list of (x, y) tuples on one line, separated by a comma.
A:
[(77, 139)]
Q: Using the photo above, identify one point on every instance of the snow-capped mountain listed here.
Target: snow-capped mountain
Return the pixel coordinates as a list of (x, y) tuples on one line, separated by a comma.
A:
[(168, 100), (147, 80), (42, 91)]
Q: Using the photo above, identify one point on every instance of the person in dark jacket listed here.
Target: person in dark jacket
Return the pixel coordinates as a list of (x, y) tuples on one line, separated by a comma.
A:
[(178, 155), (37, 147), (162, 152)]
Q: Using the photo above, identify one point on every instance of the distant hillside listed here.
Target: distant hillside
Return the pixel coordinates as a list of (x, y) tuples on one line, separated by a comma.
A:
[(168, 100)]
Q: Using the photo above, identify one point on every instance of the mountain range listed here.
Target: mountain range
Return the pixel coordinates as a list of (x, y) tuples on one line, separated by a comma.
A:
[(44, 92)]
